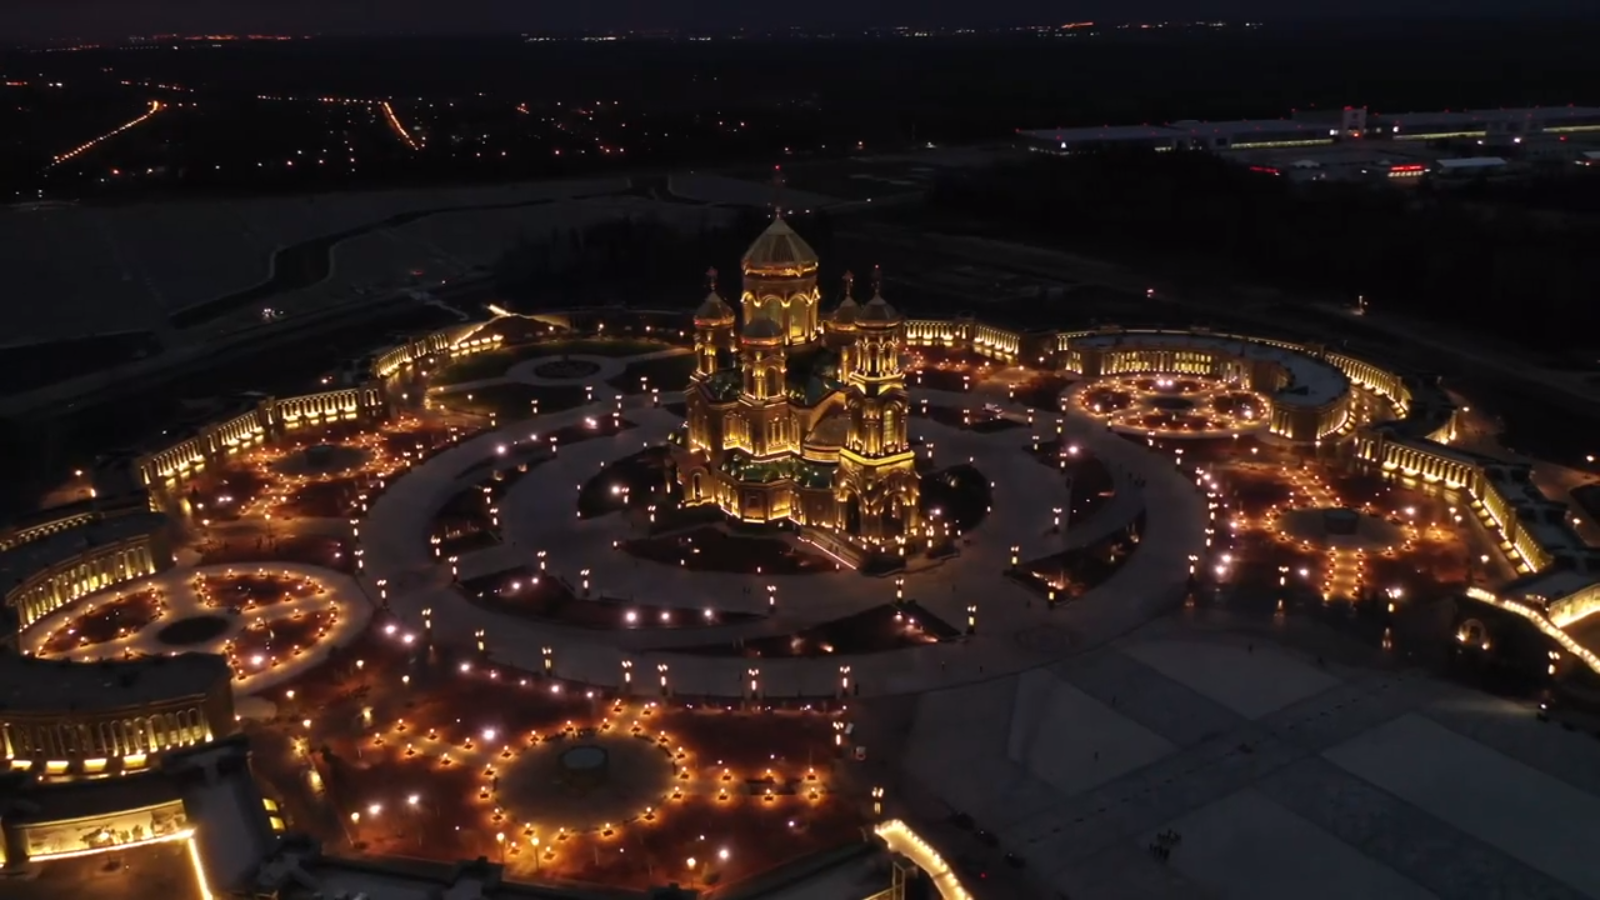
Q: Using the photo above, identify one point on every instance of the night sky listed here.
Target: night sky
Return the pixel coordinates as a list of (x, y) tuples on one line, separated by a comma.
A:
[(115, 18)]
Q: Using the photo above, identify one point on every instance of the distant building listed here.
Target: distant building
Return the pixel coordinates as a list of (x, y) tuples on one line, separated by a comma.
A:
[(1307, 128), (1469, 167)]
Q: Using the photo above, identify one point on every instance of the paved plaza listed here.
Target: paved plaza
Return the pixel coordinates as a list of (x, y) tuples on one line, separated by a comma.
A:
[(1283, 777)]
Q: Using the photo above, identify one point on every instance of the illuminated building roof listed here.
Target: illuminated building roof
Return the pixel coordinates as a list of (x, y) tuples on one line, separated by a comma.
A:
[(846, 312), (779, 247), (53, 686), (714, 309), (878, 310)]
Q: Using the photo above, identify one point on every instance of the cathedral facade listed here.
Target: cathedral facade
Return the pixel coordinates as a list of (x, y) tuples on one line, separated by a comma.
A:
[(793, 415)]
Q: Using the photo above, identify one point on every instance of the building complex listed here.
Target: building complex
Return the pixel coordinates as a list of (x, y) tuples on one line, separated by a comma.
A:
[(1353, 143), (792, 415)]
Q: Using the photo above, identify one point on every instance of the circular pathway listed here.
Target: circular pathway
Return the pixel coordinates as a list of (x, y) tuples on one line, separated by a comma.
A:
[(1015, 630)]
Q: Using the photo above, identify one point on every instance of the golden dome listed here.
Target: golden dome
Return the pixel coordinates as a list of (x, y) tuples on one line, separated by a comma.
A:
[(714, 310), (847, 310), (878, 311), (845, 313), (779, 249)]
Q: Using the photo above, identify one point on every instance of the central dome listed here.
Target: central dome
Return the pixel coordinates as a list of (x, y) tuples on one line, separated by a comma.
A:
[(779, 247)]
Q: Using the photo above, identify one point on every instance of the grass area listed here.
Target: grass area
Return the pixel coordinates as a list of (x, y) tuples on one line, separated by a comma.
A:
[(712, 550), (513, 400), (635, 481), (666, 373), (478, 366), (615, 347), (961, 495), (494, 363)]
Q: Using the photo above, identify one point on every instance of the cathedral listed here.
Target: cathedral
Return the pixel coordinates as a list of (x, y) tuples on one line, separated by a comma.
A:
[(795, 415)]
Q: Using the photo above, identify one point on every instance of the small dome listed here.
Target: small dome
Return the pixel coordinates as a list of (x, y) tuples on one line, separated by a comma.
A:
[(879, 311), (714, 310), (779, 247), (847, 310), (762, 330)]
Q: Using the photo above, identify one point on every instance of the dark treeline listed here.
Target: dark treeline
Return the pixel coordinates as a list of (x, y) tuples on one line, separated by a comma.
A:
[(1460, 255), (641, 262)]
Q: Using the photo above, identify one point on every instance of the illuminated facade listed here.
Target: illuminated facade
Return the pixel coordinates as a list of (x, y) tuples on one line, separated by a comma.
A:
[(65, 721), (1310, 396), (202, 798), (263, 422), (796, 416), (47, 568)]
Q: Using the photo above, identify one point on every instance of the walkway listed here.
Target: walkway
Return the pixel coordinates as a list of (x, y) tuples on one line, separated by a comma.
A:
[(1014, 631)]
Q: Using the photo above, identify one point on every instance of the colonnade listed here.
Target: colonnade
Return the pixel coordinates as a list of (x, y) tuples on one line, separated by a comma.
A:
[(97, 569), (97, 739)]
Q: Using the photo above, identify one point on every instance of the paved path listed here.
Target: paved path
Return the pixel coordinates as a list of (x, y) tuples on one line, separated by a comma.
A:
[(1285, 777), (1014, 632)]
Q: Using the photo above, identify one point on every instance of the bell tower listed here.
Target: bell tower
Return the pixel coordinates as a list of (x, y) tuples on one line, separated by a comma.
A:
[(877, 484), (713, 331)]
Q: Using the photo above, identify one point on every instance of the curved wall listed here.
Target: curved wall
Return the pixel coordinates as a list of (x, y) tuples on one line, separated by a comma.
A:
[(63, 720)]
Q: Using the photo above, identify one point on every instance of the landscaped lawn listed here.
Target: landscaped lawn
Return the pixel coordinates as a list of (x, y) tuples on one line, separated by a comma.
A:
[(634, 481), (513, 399), (494, 363), (960, 494), (666, 373), (710, 549)]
